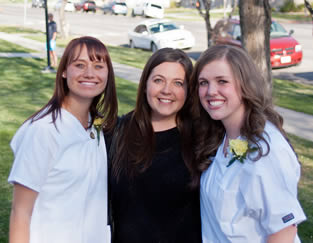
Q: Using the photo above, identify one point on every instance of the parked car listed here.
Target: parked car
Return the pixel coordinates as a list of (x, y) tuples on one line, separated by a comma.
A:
[(285, 50), (69, 6), (86, 6), (155, 34), (148, 9), (116, 8), (38, 3)]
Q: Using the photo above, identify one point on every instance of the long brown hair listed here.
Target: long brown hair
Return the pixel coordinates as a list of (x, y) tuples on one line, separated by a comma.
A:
[(105, 104), (256, 98), (136, 142)]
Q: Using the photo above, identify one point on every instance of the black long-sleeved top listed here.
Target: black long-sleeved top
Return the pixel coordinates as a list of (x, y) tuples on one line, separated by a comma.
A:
[(157, 206)]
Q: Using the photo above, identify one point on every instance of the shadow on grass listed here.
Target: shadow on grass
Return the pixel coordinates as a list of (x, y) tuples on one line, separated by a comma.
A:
[(126, 93), (6, 158), (23, 89)]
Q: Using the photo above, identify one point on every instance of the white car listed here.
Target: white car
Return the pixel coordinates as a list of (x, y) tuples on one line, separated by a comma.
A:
[(155, 34), (69, 6), (148, 9)]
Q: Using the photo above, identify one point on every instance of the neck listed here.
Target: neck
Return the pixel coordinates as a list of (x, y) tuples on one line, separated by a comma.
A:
[(163, 124), (79, 110)]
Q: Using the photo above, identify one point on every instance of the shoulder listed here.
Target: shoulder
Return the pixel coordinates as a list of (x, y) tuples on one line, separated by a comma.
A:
[(279, 165), (39, 131)]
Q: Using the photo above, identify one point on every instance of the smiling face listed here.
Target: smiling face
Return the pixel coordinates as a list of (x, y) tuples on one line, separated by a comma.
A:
[(219, 93), (86, 79), (166, 92)]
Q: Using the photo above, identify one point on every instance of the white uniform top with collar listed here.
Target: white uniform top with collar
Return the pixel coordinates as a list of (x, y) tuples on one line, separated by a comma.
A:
[(250, 201), (68, 169)]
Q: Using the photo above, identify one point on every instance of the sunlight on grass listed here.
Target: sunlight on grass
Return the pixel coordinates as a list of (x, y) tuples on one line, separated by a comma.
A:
[(294, 96), (6, 46), (18, 30)]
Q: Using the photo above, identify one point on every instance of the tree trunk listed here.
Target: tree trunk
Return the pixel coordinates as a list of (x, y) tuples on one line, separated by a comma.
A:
[(310, 9), (64, 26), (205, 13), (233, 8), (255, 22)]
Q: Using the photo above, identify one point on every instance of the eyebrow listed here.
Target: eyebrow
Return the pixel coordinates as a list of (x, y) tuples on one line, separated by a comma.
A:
[(85, 60)]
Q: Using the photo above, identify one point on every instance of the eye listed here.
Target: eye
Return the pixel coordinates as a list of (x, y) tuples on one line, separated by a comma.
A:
[(179, 83), (79, 65), (99, 66), (222, 81), (157, 80), (203, 82)]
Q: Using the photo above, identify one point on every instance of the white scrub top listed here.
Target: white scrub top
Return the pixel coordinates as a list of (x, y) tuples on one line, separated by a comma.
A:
[(250, 201), (69, 171)]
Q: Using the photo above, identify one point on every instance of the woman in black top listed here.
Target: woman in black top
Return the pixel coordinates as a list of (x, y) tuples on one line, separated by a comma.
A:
[(154, 193)]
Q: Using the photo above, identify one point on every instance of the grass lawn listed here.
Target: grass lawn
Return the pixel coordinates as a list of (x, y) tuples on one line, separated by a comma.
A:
[(22, 93), (133, 57), (6, 46), (294, 96)]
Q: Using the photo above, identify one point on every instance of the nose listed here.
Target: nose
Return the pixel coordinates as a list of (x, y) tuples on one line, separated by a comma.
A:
[(166, 89), (212, 89), (89, 72)]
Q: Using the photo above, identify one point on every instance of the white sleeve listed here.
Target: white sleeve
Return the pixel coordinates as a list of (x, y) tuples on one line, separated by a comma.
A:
[(33, 147), (270, 191)]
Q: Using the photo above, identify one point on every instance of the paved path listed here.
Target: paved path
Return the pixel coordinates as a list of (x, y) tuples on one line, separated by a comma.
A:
[(296, 123)]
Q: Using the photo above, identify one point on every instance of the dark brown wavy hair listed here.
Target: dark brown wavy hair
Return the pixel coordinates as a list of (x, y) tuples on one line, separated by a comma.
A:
[(135, 141), (256, 97), (103, 105)]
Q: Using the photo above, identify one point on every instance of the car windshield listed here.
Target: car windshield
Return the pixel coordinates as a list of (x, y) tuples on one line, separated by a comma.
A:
[(278, 30), (162, 27)]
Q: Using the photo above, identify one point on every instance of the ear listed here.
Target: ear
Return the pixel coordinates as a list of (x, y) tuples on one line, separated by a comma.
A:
[(64, 74)]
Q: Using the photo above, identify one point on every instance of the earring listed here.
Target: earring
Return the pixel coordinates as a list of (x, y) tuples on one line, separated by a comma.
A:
[(63, 75)]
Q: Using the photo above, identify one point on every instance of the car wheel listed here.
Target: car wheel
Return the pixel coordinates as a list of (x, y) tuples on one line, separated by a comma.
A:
[(131, 44), (154, 48)]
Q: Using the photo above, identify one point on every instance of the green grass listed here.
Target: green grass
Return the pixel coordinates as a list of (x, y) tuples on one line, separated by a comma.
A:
[(22, 93), (17, 30), (6, 46), (294, 96), (292, 16), (133, 57), (304, 149)]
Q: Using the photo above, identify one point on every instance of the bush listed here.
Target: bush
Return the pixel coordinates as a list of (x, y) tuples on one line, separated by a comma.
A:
[(289, 6)]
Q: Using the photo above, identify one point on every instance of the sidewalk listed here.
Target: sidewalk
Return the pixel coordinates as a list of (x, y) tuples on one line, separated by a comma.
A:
[(296, 123)]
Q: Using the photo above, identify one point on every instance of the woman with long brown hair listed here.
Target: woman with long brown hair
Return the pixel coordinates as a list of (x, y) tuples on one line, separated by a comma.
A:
[(250, 173), (153, 199), (60, 166)]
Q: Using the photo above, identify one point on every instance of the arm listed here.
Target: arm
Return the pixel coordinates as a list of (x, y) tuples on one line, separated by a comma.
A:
[(286, 235), (22, 208), (54, 36)]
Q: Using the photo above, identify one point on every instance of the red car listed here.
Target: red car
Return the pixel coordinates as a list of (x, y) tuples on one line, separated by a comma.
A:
[(86, 6), (285, 50)]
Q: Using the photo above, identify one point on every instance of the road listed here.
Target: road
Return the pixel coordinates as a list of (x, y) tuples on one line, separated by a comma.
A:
[(113, 30)]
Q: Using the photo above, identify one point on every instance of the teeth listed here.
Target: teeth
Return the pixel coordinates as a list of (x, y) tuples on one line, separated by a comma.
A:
[(88, 83), (165, 100), (216, 103)]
